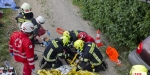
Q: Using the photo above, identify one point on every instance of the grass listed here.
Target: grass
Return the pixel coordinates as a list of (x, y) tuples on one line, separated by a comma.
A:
[(124, 68), (7, 23)]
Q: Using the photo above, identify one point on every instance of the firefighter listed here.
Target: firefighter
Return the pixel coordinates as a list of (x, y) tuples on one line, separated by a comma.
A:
[(53, 51), (25, 14), (21, 47), (72, 35), (75, 35), (139, 70), (85, 37), (90, 56)]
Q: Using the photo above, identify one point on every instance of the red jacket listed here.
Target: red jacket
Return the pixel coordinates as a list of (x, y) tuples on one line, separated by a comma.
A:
[(89, 39), (22, 48)]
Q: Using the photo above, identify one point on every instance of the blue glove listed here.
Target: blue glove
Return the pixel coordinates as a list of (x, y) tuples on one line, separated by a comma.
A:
[(80, 53), (45, 43), (33, 71), (48, 33), (12, 54)]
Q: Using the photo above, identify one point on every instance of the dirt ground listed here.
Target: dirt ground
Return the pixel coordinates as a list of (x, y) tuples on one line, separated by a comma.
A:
[(60, 13)]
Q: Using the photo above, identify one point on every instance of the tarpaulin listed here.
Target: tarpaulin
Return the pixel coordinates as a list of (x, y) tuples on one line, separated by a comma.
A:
[(7, 4)]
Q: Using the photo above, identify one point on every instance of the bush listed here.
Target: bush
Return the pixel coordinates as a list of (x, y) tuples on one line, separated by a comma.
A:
[(6, 21), (124, 22)]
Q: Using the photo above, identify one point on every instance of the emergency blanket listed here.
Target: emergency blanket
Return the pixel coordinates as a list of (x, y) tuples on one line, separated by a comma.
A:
[(65, 70), (7, 4)]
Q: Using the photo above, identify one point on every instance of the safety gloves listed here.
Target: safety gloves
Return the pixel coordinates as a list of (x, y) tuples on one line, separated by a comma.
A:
[(12, 54), (80, 53)]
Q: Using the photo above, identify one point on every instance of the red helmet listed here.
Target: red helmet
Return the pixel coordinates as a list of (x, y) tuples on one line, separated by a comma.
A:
[(82, 35)]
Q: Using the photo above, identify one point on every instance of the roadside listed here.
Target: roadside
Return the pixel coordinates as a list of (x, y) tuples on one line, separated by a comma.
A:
[(6, 22), (61, 13)]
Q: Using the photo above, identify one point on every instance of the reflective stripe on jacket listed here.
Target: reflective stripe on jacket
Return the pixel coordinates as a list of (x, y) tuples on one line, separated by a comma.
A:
[(54, 50), (22, 48), (91, 54)]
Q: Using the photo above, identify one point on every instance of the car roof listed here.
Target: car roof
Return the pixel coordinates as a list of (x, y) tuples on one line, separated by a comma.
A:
[(147, 40)]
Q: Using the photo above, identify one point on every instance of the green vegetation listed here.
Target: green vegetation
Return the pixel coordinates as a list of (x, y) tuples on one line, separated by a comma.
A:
[(7, 22), (124, 22)]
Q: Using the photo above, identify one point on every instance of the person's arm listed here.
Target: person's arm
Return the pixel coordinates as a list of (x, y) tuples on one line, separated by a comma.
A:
[(83, 61), (19, 16), (29, 50)]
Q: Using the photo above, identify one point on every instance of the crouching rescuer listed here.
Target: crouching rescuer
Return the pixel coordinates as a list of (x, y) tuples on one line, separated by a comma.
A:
[(54, 50), (90, 56)]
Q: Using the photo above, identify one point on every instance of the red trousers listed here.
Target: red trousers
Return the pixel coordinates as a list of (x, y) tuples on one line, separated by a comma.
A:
[(26, 69)]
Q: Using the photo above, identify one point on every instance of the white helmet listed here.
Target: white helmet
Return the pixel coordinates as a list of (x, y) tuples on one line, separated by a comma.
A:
[(26, 8), (40, 20), (27, 27)]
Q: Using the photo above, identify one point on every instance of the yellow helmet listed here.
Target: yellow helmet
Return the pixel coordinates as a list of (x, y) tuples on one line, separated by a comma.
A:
[(65, 40), (67, 34), (138, 68), (79, 45)]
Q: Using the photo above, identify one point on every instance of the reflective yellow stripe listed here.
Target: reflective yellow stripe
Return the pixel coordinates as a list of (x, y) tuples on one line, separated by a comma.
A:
[(85, 60), (22, 20), (94, 55), (60, 54), (92, 48), (50, 60), (48, 55), (53, 65), (99, 60), (79, 67), (35, 26), (81, 59), (76, 33), (54, 43)]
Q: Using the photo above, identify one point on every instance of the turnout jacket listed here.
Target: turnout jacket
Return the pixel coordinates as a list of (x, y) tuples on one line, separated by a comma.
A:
[(91, 54), (22, 48), (24, 17), (36, 27), (54, 50), (74, 35)]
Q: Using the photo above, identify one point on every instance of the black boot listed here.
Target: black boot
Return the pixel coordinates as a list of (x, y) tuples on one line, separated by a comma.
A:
[(105, 64), (35, 57)]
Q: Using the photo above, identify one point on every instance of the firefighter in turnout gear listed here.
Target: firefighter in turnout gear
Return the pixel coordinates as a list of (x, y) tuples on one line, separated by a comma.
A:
[(25, 14), (90, 56), (54, 50), (72, 35), (21, 47)]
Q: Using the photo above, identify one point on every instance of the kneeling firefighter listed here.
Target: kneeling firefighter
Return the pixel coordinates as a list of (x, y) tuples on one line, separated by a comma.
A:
[(90, 56), (54, 50)]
